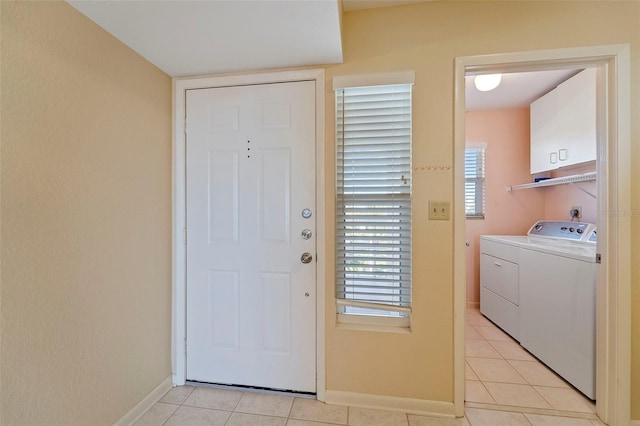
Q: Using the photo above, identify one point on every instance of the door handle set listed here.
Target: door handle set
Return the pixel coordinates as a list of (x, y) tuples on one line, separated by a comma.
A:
[(306, 234)]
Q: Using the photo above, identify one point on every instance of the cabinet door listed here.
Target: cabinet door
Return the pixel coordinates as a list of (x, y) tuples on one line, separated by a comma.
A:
[(544, 133), (563, 124), (577, 119)]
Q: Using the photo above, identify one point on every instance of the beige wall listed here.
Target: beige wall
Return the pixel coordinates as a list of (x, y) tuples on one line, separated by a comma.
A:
[(86, 208), (426, 38), (506, 133)]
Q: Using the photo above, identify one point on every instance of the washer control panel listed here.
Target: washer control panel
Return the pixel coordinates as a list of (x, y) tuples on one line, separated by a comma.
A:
[(573, 231)]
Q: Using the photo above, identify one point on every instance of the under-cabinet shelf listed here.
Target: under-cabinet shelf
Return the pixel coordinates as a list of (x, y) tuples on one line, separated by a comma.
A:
[(555, 181)]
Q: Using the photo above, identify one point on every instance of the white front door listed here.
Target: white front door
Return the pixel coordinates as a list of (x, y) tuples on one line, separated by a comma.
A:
[(251, 301)]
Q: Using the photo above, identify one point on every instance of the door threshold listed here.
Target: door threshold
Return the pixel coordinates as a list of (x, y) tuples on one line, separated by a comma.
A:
[(254, 389)]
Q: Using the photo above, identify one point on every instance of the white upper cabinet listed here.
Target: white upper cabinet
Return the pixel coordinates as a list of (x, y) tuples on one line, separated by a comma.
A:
[(563, 124), (545, 137)]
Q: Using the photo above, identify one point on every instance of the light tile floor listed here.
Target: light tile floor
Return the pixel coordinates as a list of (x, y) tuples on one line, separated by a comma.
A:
[(194, 406), (505, 385), (501, 374)]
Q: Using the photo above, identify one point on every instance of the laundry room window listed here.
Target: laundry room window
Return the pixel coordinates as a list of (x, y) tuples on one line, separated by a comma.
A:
[(373, 204), (474, 181)]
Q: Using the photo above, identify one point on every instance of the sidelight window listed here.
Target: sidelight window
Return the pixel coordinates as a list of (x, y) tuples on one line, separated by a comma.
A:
[(373, 202)]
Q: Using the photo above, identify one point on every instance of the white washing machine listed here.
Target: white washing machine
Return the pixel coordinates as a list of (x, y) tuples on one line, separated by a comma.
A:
[(541, 289)]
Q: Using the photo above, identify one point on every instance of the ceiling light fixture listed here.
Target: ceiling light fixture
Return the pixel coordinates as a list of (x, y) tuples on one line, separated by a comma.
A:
[(487, 82)]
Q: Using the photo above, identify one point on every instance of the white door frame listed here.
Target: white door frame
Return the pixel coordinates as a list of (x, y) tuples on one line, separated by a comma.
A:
[(179, 311), (613, 328)]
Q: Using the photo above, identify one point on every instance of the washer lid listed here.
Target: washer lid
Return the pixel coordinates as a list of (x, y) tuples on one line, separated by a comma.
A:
[(583, 252)]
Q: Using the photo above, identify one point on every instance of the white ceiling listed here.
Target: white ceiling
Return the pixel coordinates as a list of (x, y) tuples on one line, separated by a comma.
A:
[(190, 38), (516, 90), (187, 38)]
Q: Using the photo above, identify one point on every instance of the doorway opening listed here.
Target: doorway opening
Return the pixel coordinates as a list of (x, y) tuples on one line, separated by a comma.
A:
[(612, 166)]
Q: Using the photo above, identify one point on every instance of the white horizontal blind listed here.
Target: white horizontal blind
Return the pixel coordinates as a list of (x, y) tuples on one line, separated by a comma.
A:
[(474, 182), (373, 205)]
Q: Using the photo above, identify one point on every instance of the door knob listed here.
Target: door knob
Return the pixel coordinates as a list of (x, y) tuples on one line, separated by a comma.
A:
[(306, 258), (306, 234)]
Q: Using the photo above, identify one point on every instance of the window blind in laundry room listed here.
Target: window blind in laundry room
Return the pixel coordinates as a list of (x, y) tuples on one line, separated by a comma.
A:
[(474, 182)]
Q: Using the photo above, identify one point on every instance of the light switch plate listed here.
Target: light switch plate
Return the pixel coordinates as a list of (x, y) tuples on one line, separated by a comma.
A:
[(439, 210)]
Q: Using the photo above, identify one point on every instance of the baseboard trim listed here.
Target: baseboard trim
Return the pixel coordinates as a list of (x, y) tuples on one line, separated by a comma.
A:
[(390, 403), (474, 305), (147, 402)]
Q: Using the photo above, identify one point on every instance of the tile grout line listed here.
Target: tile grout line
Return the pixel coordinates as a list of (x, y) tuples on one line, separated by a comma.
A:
[(179, 405), (534, 411), (548, 402)]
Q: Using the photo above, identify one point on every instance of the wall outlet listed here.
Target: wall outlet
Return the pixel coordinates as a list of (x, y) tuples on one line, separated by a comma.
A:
[(575, 212), (439, 210)]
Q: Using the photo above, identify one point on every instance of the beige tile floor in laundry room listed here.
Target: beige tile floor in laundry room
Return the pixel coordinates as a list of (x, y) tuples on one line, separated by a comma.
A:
[(505, 385)]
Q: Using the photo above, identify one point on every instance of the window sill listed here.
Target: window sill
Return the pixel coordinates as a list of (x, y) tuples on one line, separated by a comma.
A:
[(373, 323), (475, 217)]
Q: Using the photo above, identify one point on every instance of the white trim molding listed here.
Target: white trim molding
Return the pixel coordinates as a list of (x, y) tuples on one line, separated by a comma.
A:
[(178, 326), (147, 402), (390, 403), (380, 79), (613, 328)]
